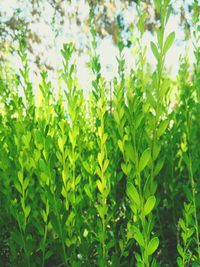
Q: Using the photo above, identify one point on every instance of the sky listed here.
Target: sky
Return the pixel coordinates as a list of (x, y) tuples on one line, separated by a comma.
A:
[(106, 49)]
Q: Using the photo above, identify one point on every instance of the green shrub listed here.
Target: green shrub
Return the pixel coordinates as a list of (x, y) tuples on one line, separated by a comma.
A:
[(111, 180)]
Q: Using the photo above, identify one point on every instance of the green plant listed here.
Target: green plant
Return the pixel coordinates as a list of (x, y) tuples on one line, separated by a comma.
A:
[(102, 180), (187, 231)]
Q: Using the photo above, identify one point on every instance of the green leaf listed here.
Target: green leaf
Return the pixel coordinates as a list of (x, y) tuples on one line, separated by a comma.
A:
[(155, 50), (162, 127), (169, 41), (164, 89), (152, 246), (190, 232), (26, 139), (43, 167), (88, 192), (166, 2), (182, 224), (105, 165), (21, 177), (130, 152), (64, 192), (104, 138), (55, 224), (100, 159), (48, 254), (100, 211), (60, 144), (18, 186), (159, 166), (100, 186), (124, 168), (149, 205), (139, 238), (121, 147), (26, 183), (133, 194), (157, 148), (160, 37), (38, 140), (180, 262), (78, 179), (85, 233), (155, 84), (138, 120), (158, 4), (86, 166), (180, 250), (144, 159), (27, 211)]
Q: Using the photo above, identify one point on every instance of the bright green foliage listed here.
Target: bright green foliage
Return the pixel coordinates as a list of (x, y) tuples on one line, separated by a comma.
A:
[(107, 180), (187, 231)]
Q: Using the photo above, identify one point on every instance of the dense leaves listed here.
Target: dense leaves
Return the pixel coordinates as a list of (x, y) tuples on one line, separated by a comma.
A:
[(107, 180)]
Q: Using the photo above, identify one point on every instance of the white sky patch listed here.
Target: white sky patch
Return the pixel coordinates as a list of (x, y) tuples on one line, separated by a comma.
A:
[(108, 53), (83, 73), (7, 6), (129, 58), (83, 8)]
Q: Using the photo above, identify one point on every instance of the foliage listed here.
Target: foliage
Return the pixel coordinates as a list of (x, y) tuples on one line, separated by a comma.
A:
[(107, 180)]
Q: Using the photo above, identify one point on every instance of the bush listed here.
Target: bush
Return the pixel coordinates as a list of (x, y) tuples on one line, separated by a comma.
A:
[(111, 180)]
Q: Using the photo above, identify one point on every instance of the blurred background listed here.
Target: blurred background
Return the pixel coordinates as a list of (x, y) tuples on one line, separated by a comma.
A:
[(50, 23)]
